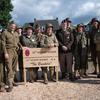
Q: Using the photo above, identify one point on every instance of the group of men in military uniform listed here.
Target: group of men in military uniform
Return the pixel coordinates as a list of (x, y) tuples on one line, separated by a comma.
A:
[(72, 43), (75, 43)]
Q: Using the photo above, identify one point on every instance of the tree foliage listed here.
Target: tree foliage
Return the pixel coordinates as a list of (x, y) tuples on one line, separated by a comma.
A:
[(5, 8)]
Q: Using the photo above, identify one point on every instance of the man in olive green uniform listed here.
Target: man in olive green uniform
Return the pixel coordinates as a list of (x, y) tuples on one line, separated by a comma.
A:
[(97, 42), (51, 42), (80, 52), (29, 40), (41, 43), (93, 31), (2, 89), (10, 42)]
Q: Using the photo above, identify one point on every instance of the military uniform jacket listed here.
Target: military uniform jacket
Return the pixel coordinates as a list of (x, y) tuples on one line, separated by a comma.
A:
[(29, 41), (92, 34), (80, 43), (65, 38), (52, 39), (41, 40), (97, 40), (10, 40)]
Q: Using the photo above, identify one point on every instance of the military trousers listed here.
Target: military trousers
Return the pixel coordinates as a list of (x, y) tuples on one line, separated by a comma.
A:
[(52, 70), (11, 65), (33, 72), (93, 53), (66, 61), (44, 69), (81, 60), (1, 74)]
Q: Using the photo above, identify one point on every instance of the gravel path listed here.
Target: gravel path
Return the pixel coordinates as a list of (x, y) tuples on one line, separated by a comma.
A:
[(85, 89)]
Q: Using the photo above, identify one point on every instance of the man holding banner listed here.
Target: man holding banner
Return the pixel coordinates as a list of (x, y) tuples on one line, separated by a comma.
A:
[(41, 43), (51, 42), (29, 40)]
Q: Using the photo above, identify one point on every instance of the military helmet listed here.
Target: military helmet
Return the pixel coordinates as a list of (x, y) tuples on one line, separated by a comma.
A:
[(80, 25), (63, 21), (19, 27), (29, 27), (93, 20), (37, 26), (68, 20), (49, 25)]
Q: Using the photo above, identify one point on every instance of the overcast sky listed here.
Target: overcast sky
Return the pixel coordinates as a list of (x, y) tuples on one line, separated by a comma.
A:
[(78, 10)]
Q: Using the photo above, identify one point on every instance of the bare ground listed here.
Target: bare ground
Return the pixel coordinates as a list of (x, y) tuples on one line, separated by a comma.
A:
[(84, 89)]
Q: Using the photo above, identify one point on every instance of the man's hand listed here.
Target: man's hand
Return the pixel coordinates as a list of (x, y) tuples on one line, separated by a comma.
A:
[(64, 48), (51, 45), (55, 45), (6, 56)]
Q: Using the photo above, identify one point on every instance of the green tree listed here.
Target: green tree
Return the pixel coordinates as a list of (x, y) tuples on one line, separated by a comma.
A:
[(5, 8)]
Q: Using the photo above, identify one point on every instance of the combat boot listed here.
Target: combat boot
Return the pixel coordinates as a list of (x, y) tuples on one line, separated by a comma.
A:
[(45, 78), (10, 84), (71, 77), (52, 75)]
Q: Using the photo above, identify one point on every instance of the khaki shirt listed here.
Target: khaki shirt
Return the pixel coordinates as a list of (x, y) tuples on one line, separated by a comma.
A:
[(10, 40), (52, 40), (41, 40)]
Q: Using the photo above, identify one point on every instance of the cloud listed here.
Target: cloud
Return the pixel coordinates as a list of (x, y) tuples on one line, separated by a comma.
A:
[(87, 11), (84, 9), (26, 11), (77, 10)]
